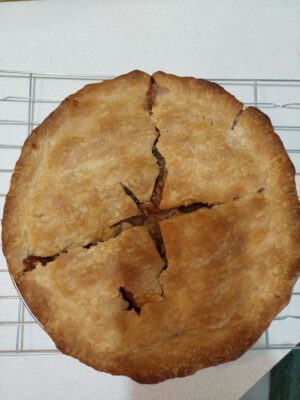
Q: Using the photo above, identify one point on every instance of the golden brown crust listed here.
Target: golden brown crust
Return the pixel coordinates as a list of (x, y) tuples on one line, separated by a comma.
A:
[(231, 265)]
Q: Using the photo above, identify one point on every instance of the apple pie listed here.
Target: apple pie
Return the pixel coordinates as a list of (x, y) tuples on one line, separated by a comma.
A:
[(153, 226)]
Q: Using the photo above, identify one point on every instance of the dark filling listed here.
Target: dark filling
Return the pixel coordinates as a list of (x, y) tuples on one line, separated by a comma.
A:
[(162, 175), (31, 261), (151, 95), (133, 197), (195, 206), (136, 220), (128, 296), (161, 215), (236, 120), (156, 236), (89, 245), (157, 192)]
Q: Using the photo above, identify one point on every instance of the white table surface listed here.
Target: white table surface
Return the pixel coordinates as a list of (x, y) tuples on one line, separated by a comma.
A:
[(225, 38)]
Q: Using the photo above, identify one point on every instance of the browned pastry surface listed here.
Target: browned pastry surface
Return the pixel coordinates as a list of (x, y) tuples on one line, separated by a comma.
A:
[(153, 226)]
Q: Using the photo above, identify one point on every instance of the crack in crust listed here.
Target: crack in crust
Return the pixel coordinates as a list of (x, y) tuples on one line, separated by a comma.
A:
[(159, 184), (156, 235), (161, 178), (133, 197), (151, 95), (129, 298), (161, 215), (237, 118), (31, 262)]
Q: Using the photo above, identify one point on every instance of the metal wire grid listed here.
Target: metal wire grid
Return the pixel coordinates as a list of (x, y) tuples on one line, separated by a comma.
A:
[(31, 100)]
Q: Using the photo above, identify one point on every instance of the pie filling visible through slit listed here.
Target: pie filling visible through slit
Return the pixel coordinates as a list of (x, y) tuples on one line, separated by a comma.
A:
[(152, 226)]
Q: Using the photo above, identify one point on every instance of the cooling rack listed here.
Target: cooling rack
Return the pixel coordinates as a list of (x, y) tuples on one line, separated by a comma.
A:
[(27, 98)]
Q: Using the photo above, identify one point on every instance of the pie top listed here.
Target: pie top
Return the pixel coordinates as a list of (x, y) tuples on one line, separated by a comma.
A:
[(153, 226)]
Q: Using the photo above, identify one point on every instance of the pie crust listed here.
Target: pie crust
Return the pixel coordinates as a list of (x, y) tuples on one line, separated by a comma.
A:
[(153, 226)]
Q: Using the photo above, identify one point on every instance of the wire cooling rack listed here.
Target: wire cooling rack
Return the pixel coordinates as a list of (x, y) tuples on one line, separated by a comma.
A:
[(27, 98)]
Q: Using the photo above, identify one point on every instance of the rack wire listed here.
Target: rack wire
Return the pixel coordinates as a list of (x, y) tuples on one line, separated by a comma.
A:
[(26, 98)]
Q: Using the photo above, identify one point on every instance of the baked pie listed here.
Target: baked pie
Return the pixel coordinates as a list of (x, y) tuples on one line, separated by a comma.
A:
[(152, 225)]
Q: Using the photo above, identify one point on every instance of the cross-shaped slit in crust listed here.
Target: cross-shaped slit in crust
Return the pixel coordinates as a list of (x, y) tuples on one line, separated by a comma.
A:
[(150, 219), (150, 216)]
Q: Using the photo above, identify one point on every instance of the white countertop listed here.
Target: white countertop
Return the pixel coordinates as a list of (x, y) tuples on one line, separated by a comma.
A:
[(209, 38), (212, 39)]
